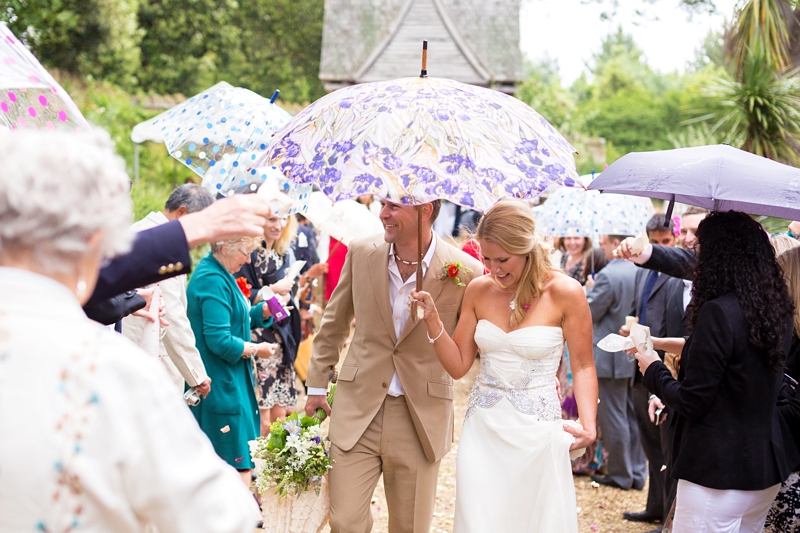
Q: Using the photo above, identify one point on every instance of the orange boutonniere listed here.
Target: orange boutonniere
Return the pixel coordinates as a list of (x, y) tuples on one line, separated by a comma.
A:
[(244, 286), (452, 271)]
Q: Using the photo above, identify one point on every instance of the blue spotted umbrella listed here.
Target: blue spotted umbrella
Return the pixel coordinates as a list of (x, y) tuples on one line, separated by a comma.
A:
[(572, 212), (218, 134)]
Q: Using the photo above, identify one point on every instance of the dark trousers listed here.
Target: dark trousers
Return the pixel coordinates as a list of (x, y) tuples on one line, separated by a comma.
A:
[(650, 437), (670, 484)]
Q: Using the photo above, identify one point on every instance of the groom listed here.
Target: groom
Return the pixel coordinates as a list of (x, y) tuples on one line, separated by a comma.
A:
[(394, 401)]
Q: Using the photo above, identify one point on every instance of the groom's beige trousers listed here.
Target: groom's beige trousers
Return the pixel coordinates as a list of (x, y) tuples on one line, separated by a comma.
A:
[(390, 446)]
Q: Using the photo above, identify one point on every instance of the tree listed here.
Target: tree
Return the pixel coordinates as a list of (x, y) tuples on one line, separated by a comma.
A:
[(83, 37), (262, 45), (542, 91), (762, 108), (187, 43), (761, 24), (281, 47)]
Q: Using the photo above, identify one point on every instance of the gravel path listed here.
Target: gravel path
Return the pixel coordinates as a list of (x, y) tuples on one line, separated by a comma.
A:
[(599, 509)]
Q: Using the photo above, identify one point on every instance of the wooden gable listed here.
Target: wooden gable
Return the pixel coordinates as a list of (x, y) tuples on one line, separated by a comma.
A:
[(471, 41)]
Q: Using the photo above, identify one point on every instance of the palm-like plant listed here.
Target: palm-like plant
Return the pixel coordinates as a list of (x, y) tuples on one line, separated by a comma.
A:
[(761, 109), (761, 24)]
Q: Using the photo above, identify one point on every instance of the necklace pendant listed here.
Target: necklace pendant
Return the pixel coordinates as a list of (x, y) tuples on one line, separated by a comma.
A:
[(512, 305)]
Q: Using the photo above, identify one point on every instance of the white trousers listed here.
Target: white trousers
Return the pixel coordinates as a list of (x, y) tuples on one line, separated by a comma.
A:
[(699, 509)]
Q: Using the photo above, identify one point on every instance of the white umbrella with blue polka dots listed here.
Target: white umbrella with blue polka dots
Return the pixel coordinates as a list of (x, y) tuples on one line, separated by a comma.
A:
[(219, 134)]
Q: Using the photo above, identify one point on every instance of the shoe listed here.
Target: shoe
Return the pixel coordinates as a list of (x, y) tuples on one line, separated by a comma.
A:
[(607, 481), (644, 516)]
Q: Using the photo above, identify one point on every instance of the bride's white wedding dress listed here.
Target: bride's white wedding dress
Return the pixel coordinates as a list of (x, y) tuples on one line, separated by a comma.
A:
[(514, 472)]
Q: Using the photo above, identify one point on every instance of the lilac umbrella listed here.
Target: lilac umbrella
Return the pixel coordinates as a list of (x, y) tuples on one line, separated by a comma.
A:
[(717, 177)]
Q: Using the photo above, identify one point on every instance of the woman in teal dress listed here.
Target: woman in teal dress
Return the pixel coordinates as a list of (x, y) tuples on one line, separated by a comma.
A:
[(221, 318)]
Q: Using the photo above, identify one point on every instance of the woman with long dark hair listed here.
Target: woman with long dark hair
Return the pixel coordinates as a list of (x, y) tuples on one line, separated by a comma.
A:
[(729, 453)]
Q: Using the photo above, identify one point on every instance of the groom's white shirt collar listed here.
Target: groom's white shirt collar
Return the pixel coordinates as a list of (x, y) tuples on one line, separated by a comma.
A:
[(395, 387)]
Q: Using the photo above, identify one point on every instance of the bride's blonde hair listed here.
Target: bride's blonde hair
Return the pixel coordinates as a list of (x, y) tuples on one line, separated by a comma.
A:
[(510, 224)]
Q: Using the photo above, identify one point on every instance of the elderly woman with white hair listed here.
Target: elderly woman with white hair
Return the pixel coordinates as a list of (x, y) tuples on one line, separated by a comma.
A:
[(221, 317), (93, 437)]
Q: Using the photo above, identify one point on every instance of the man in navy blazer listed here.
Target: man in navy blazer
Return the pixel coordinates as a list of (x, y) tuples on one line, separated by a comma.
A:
[(163, 252), (649, 306)]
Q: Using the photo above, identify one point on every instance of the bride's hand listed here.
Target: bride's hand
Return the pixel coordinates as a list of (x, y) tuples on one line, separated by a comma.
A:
[(583, 437), (425, 302)]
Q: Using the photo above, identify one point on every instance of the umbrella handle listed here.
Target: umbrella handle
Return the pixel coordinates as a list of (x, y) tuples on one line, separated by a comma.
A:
[(414, 315), (274, 96), (668, 215), (424, 73)]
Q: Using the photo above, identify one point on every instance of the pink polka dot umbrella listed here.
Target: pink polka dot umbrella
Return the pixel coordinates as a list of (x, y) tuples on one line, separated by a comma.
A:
[(29, 96)]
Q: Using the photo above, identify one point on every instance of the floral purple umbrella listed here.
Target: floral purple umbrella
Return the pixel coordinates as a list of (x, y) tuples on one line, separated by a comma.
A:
[(29, 96), (415, 140)]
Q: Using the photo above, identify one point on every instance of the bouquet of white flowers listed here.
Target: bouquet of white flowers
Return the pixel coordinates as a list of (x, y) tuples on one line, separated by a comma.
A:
[(291, 460)]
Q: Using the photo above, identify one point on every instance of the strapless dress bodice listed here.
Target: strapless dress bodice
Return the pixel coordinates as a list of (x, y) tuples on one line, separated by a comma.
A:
[(520, 366)]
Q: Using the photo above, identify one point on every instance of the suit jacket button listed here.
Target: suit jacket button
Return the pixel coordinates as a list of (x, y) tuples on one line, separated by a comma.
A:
[(178, 266), (395, 352), (384, 385), (170, 268), (162, 270)]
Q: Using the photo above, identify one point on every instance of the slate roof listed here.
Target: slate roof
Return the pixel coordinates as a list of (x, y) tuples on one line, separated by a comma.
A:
[(473, 41)]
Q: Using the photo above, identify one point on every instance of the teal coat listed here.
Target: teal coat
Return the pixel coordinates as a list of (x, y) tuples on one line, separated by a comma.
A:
[(221, 319)]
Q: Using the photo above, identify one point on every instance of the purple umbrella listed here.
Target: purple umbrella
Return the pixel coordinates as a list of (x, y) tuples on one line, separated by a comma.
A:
[(717, 177)]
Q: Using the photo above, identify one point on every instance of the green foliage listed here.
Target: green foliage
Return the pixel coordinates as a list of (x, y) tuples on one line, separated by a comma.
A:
[(542, 91), (627, 103), (762, 110), (98, 38), (761, 24), (711, 52), (178, 46)]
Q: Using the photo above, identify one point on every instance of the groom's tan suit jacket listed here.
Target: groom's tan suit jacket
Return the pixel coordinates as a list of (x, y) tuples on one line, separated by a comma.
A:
[(375, 353)]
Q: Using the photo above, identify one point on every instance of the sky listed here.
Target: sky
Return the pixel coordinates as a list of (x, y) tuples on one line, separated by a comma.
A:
[(572, 30)]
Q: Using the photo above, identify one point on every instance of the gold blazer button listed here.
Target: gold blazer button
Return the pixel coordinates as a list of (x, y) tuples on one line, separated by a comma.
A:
[(384, 385), (162, 270)]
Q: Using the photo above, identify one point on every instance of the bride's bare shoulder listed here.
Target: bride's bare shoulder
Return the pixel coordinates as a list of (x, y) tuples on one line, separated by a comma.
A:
[(479, 285), (563, 287)]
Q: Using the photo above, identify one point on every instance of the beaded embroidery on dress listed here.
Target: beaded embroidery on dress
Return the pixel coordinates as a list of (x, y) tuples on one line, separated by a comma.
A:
[(522, 373), (514, 472)]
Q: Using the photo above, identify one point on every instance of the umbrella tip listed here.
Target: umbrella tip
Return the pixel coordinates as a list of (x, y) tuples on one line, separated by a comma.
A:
[(424, 73), (274, 96)]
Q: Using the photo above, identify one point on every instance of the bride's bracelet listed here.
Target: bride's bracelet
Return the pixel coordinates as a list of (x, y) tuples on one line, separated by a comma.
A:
[(437, 336)]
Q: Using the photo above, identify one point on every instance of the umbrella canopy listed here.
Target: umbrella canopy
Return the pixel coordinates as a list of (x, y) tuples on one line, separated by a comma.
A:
[(344, 221), (571, 212), (218, 134), (415, 140), (29, 96), (717, 177)]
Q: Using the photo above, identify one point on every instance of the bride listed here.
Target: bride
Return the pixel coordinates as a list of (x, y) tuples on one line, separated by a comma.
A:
[(513, 470)]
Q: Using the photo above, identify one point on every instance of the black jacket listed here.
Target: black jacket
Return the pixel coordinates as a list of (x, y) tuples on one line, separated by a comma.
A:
[(728, 433), (157, 254), (675, 262)]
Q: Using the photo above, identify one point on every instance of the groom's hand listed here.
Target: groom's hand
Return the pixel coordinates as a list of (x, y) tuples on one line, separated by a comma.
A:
[(317, 401)]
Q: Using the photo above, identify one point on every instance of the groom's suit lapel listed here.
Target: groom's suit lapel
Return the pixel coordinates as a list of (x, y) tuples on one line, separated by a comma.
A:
[(379, 276), (432, 284)]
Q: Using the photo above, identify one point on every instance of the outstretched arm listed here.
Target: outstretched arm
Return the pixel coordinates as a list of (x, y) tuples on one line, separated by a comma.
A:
[(456, 353)]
